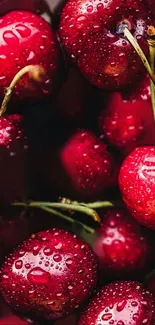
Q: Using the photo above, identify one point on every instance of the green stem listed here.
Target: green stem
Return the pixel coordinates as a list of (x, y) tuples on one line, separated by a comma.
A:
[(139, 51), (151, 42), (100, 204), (65, 206), (36, 72), (68, 219)]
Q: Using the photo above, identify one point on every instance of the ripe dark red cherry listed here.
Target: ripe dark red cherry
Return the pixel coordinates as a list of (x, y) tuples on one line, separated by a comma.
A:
[(49, 276), (25, 39), (137, 184), (92, 34), (120, 303)]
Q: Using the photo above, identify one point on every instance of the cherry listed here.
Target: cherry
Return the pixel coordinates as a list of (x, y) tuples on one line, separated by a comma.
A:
[(92, 33), (137, 184), (120, 303), (50, 275), (121, 245), (88, 163), (27, 39), (127, 124), (13, 142)]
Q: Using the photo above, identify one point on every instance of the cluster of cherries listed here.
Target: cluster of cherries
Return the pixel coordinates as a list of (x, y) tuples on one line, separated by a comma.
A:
[(101, 272)]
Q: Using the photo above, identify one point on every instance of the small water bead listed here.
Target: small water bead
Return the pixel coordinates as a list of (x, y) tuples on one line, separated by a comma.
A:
[(89, 8), (47, 251), (38, 276), (120, 322), (21, 253), (69, 261), (121, 305), (18, 264), (107, 316), (57, 258), (134, 303), (27, 266), (36, 250)]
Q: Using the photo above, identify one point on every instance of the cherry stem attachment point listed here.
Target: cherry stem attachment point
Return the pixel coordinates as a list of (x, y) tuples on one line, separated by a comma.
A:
[(35, 72), (139, 51), (151, 42)]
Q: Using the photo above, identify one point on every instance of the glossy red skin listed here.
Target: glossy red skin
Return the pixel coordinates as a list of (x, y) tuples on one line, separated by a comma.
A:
[(25, 39), (137, 185), (87, 162), (88, 34), (49, 275), (13, 147), (121, 245), (127, 124), (120, 303)]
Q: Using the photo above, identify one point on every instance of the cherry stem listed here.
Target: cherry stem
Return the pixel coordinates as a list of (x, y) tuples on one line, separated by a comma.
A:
[(151, 42), (36, 72), (139, 51), (65, 206), (92, 205), (68, 219)]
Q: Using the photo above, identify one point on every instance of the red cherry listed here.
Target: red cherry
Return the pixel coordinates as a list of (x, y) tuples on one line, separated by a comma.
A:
[(127, 124), (92, 35), (121, 245), (120, 303), (88, 163), (50, 275), (25, 39), (137, 184)]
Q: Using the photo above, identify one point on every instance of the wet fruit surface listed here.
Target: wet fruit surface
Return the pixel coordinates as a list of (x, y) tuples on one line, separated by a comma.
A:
[(25, 39), (92, 34), (137, 184), (49, 275), (121, 245), (88, 163), (120, 303), (127, 123)]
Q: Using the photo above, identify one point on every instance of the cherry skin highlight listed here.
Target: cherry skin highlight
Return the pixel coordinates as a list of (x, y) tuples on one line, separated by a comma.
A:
[(137, 185), (88, 163), (27, 39), (92, 33), (120, 303), (49, 276), (121, 245)]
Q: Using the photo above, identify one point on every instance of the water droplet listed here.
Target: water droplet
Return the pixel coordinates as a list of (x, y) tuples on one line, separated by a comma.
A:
[(121, 305), (38, 276), (90, 8), (10, 38), (47, 251), (21, 253), (27, 266), (30, 56), (18, 264), (100, 6), (120, 322), (134, 303), (36, 249), (69, 261), (23, 30), (107, 316), (57, 258)]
